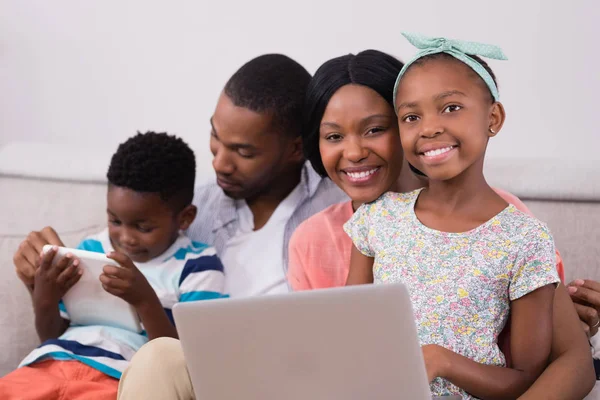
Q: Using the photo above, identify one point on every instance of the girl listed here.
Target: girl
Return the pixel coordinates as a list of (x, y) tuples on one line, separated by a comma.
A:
[(467, 257)]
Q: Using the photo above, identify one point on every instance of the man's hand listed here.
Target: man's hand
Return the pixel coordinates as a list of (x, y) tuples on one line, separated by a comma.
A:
[(27, 257), (52, 281), (586, 296), (126, 281)]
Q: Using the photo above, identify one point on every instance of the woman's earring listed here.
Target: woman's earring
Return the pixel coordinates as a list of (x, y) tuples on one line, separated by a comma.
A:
[(493, 132)]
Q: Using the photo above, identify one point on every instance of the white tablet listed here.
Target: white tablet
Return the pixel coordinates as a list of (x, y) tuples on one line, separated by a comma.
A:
[(87, 302)]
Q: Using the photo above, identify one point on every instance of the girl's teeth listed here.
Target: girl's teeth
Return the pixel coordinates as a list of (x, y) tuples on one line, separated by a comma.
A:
[(437, 152)]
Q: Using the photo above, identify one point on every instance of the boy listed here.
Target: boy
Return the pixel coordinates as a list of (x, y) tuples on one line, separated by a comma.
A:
[(151, 184)]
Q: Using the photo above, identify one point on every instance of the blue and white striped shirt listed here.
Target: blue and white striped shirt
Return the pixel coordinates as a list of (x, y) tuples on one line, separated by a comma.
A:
[(187, 271)]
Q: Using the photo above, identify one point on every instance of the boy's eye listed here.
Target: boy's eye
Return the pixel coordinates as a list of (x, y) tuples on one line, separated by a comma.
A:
[(410, 118), (452, 108)]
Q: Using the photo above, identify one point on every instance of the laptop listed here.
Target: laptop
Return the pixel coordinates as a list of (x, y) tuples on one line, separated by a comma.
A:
[(351, 343)]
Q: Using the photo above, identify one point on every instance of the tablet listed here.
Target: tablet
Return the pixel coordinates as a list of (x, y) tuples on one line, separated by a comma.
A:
[(87, 302)]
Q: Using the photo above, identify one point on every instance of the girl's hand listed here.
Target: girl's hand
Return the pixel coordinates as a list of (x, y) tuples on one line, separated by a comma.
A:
[(126, 281), (435, 361), (52, 282)]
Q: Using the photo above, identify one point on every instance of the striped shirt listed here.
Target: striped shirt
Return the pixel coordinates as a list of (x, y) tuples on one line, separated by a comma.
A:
[(187, 271), (217, 220)]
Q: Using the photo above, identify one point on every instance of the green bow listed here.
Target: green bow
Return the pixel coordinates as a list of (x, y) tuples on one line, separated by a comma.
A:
[(458, 49)]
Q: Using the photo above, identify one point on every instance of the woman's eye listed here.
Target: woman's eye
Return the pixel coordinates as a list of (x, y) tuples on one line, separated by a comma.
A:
[(374, 131), (410, 118), (333, 137), (452, 108)]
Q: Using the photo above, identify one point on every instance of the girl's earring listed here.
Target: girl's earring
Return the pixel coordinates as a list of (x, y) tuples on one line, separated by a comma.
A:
[(493, 132)]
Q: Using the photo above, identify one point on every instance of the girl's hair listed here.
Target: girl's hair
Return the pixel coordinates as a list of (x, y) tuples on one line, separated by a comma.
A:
[(371, 68), (438, 56)]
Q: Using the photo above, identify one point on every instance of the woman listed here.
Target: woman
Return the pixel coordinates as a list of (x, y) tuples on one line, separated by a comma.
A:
[(351, 135)]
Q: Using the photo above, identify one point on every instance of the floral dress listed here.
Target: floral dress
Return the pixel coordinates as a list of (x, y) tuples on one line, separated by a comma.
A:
[(461, 284)]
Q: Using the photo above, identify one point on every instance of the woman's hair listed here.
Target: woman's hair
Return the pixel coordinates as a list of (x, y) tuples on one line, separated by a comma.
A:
[(371, 68)]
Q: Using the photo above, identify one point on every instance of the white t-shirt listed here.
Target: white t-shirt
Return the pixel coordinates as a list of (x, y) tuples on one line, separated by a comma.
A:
[(253, 260)]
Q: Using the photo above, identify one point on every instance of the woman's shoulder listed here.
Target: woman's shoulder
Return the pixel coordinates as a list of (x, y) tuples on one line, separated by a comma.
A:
[(318, 224)]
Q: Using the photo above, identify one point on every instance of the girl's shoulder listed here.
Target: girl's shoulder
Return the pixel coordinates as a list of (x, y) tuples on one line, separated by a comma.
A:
[(397, 200), (390, 203)]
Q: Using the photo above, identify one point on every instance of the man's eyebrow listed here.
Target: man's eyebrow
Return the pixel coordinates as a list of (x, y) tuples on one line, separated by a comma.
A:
[(231, 145)]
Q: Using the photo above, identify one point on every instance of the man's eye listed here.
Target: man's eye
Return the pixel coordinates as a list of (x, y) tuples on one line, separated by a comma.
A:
[(245, 154)]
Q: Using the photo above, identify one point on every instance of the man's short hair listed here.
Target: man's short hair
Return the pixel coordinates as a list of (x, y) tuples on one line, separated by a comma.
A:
[(272, 83)]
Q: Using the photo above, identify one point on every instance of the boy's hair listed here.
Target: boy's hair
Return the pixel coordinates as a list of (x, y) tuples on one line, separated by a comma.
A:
[(272, 83), (155, 163), (484, 64)]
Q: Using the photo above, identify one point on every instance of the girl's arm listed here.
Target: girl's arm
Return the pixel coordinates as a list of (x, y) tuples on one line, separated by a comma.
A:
[(531, 336), (361, 268), (570, 374)]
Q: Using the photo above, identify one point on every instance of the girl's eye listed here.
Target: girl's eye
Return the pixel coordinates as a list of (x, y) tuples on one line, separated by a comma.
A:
[(115, 222), (333, 137), (452, 108), (374, 131), (144, 229), (410, 118)]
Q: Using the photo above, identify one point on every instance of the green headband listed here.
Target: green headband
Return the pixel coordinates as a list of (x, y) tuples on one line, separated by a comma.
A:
[(457, 49)]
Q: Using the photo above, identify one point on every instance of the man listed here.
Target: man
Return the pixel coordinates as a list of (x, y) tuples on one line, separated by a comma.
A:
[(264, 190)]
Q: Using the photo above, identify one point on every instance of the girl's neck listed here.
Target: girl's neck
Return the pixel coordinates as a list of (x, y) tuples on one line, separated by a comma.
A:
[(406, 182), (459, 192)]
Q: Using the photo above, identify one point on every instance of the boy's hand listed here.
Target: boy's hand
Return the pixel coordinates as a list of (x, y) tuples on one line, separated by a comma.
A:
[(27, 256), (52, 282), (126, 282)]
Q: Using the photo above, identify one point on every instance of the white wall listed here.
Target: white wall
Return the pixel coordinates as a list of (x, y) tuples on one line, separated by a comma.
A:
[(94, 72)]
